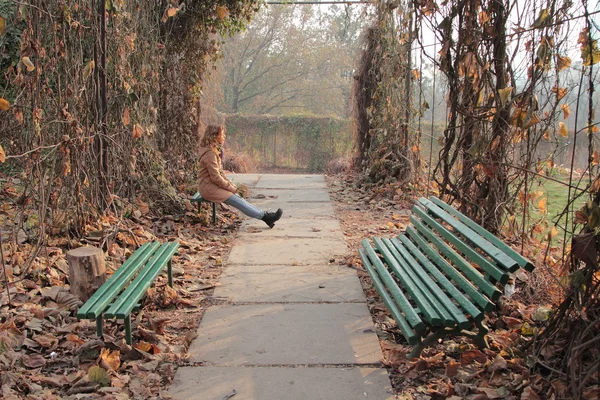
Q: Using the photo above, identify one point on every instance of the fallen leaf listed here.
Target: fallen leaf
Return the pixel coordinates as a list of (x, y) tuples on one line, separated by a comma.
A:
[(469, 356), (2, 25), (112, 358), (529, 394), (2, 155), (98, 375), (33, 361), (498, 364)]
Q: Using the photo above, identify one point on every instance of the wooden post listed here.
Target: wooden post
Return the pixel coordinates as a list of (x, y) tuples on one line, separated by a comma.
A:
[(87, 271)]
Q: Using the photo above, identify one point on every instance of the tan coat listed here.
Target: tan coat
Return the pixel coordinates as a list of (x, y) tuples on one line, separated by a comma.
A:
[(212, 183)]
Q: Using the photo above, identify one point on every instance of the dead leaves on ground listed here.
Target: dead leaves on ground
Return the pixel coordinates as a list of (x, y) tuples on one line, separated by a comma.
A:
[(45, 352)]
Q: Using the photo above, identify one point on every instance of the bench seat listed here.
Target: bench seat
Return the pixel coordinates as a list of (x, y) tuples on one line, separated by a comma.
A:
[(122, 292), (440, 276)]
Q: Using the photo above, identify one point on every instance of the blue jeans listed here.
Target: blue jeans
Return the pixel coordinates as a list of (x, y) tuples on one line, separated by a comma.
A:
[(252, 211)]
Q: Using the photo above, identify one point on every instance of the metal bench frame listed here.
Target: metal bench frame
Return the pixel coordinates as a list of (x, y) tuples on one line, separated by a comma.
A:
[(122, 292), (197, 198), (439, 277)]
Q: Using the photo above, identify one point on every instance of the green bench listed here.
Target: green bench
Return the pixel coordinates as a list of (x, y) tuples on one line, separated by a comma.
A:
[(440, 276), (122, 292), (197, 198)]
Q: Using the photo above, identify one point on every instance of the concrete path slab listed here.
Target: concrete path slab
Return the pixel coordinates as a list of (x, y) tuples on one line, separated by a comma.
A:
[(287, 195), (283, 383), (296, 227), (289, 284), (278, 334), (320, 269), (282, 181), (310, 210), (287, 251)]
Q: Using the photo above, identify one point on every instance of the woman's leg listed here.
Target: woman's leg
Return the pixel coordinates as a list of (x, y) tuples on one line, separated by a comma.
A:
[(252, 211)]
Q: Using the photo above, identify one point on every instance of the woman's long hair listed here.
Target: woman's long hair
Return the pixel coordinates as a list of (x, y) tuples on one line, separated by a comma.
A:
[(211, 135)]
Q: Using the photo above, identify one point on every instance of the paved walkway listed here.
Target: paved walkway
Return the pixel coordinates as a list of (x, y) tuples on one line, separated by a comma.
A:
[(297, 326)]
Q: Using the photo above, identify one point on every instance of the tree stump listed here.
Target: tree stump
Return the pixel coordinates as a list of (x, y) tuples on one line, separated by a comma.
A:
[(87, 271)]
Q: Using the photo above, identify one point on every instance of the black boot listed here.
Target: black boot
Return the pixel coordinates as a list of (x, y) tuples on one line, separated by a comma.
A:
[(271, 217)]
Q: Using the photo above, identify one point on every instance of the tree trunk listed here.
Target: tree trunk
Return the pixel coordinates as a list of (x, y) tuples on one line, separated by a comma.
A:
[(87, 271)]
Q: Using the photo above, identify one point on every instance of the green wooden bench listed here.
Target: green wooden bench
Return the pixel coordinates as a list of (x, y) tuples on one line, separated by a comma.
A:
[(197, 198), (122, 292), (440, 276)]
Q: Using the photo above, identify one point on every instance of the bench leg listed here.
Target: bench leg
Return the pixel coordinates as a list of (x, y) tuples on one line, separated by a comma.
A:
[(128, 338), (170, 272), (480, 338), (198, 205), (99, 326), (214, 211)]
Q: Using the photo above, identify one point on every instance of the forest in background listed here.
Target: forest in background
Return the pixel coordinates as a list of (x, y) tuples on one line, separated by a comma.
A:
[(99, 102)]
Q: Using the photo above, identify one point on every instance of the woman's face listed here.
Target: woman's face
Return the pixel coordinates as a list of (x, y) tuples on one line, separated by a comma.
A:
[(221, 137)]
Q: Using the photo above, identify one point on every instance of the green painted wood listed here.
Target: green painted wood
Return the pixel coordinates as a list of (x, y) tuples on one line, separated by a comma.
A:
[(404, 326), (123, 306), (423, 299), (448, 286), (443, 305), (522, 261), (463, 265), (457, 278), (489, 268), (501, 258), (106, 293), (409, 312)]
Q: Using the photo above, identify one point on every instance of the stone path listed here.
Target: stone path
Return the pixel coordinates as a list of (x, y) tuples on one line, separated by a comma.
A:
[(297, 325)]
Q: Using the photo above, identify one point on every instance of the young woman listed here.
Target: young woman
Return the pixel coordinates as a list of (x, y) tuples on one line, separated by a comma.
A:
[(215, 187)]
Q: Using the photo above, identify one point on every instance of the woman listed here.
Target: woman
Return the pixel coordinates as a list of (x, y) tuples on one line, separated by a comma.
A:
[(215, 187)]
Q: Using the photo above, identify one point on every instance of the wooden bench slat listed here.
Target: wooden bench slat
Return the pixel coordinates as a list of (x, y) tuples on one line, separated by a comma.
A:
[(404, 326), (495, 253), (423, 299), (444, 305), (411, 316), (489, 268), (482, 301), (522, 261), (137, 289), (105, 295), (456, 294), (478, 279)]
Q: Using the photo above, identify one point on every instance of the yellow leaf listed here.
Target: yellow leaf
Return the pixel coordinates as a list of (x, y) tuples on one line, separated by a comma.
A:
[(562, 129), (98, 375), (594, 129), (137, 131), (2, 25), (542, 205), (27, 62), (126, 119), (2, 155), (543, 19), (143, 346), (172, 11), (416, 74), (566, 111), (222, 12), (590, 53), (88, 69), (4, 104), (553, 232), (562, 62), (112, 358), (546, 136), (504, 93), (560, 92), (595, 158)]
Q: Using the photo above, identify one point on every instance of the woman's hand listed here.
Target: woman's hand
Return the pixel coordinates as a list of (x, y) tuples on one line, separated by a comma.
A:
[(242, 190)]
